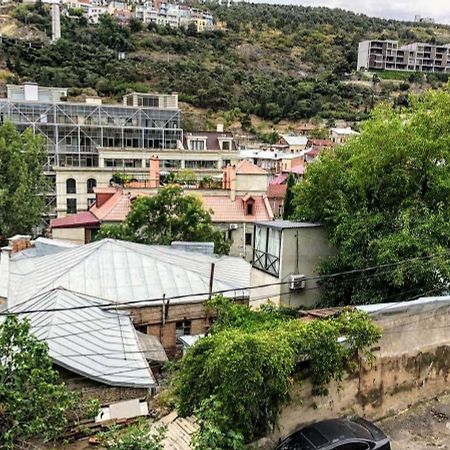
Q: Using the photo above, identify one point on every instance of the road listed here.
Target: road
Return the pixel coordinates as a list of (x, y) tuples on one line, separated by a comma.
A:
[(422, 427)]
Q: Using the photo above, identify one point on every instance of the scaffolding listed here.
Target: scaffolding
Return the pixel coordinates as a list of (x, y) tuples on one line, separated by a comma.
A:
[(75, 131)]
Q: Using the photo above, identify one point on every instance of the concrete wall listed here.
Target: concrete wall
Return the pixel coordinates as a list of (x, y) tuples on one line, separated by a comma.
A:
[(301, 251), (412, 364), (74, 235), (252, 184)]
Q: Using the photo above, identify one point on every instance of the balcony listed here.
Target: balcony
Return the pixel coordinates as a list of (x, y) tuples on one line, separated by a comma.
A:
[(266, 262)]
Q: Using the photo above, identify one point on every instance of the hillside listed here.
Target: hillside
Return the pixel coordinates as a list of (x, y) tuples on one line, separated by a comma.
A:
[(274, 63)]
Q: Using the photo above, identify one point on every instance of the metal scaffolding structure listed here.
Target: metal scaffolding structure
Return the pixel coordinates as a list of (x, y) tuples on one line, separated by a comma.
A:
[(75, 131)]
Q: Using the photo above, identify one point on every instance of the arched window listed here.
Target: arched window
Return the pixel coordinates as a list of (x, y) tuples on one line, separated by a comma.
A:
[(91, 184), (71, 186)]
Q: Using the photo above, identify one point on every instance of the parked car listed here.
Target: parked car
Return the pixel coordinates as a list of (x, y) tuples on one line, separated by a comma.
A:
[(337, 434)]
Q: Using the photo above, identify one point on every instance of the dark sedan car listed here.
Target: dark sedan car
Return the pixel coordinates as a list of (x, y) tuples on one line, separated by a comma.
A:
[(337, 434)]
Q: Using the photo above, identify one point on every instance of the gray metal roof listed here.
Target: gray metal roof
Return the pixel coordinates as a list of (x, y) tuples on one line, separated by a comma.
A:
[(98, 344), (123, 271), (287, 224), (42, 247)]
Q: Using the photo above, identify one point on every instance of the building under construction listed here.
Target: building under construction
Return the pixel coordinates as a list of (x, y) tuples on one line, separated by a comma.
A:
[(74, 131)]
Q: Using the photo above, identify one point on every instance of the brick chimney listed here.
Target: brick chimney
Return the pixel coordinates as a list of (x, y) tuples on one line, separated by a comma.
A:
[(19, 242), (154, 173), (229, 180)]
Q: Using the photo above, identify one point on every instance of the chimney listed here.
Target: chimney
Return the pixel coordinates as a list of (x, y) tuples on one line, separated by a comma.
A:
[(220, 127), (154, 173), (232, 182), (19, 242)]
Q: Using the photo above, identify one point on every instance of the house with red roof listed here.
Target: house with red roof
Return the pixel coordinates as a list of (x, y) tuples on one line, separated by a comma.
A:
[(241, 201)]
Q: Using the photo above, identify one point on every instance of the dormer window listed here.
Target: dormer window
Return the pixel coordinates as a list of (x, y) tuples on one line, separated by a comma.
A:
[(197, 144), (249, 209), (226, 145), (249, 205)]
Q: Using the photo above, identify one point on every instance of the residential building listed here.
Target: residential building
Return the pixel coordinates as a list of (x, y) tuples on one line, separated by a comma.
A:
[(204, 153), (293, 143), (164, 288), (75, 132), (342, 135), (418, 56), (286, 255), (239, 200)]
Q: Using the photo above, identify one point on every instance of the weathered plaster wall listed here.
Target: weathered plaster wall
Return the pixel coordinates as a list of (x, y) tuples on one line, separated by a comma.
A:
[(412, 364)]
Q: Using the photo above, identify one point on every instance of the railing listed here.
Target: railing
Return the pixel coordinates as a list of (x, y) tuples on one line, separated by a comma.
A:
[(266, 262)]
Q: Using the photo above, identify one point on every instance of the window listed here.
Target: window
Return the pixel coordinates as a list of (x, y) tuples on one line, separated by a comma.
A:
[(71, 186), (250, 208), (248, 238), (91, 184), (183, 328), (266, 251), (71, 206), (197, 145), (226, 145), (354, 446)]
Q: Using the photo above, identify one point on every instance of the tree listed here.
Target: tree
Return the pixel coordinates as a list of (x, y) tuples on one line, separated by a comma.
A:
[(22, 181), (166, 217), (383, 199), (288, 207), (33, 402), (236, 379)]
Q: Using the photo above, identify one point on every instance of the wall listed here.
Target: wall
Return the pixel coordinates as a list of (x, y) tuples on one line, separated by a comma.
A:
[(152, 318), (251, 183), (412, 364), (74, 235), (302, 250), (238, 236)]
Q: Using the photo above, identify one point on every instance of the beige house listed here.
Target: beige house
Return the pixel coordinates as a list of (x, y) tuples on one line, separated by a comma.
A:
[(286, 254), (342, 135), (204, 153)]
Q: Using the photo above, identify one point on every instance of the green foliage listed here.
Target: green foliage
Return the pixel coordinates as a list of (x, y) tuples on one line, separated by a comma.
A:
[(22, 181), (252, 67), (135, 437), (166, 217), (33, 402), (238, 377), (288, 207), (384, 199)]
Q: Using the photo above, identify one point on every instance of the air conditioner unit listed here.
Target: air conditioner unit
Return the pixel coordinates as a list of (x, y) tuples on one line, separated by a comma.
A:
[(297, 282), (233, 226)]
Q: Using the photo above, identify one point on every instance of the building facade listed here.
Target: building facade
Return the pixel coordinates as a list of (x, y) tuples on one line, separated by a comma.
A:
[(415, 57)]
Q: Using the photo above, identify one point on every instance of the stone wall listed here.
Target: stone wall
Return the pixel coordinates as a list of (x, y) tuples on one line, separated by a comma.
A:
[(412, 364)]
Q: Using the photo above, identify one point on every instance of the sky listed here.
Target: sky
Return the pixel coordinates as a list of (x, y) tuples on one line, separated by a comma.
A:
[(391, 9)]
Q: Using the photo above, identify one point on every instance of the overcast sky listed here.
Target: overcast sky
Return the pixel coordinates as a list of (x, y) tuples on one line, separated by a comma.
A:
[(392, 9)]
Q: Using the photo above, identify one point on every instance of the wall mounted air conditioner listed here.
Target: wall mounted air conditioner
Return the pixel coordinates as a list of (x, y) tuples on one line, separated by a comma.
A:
[(297, 282), (233, 226)]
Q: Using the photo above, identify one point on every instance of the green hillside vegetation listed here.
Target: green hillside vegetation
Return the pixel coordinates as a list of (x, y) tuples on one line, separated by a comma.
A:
[(275, 62)]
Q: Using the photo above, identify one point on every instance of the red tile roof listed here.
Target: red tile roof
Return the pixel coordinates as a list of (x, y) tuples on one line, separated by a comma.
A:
[(277, 191), (280, 179), (299, 170), (115, 209), (226, 210), (246, 167), (81, 220)]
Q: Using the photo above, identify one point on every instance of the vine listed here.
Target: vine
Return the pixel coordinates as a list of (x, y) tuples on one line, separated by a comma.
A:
[(236, 379)]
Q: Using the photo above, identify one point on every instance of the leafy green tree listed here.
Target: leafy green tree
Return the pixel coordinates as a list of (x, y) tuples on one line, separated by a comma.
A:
[(166, 217), (288, 206), (22, 181), (33, 402), (383, 199), (237, 378)]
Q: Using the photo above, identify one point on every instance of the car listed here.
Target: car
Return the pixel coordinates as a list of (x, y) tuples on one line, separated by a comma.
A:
[(337, 434)]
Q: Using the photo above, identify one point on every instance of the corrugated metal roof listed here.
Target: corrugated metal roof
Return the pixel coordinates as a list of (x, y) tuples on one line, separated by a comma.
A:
[(99, 344), (124, 271)]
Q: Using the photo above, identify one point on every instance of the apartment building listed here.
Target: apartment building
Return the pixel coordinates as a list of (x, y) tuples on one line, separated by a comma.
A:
[(76, 132), (418, 57)]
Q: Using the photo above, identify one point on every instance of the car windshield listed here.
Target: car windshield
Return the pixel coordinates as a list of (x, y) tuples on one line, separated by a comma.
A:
[(297, 441)]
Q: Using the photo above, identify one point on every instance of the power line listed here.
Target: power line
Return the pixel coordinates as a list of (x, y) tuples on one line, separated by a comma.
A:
[(206, 294)]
